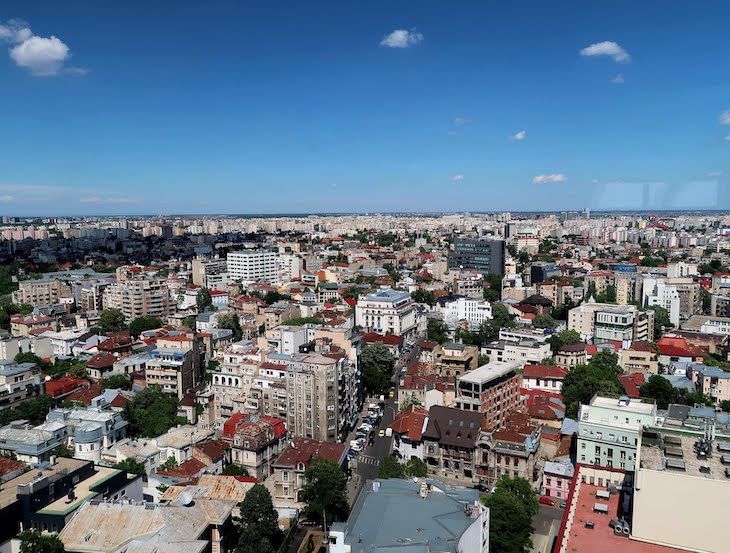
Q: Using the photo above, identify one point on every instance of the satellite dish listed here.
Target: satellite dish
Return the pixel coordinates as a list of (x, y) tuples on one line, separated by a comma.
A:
[(47, 379), (186, 499)]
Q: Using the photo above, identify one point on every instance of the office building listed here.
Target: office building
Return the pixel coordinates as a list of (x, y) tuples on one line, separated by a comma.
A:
[(386, 311), (249, 266), (492, 389), (484, 255)]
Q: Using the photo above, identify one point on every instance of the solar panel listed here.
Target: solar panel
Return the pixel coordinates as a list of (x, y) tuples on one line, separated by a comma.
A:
[(672, 440), (674, 452), (675, 464), (724, 447)]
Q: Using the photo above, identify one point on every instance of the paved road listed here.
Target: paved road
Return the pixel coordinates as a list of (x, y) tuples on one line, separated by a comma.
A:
[(368, 461), (546, 524)]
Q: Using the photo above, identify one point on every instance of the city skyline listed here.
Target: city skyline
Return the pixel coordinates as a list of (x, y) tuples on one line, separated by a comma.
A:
[(287, 109)]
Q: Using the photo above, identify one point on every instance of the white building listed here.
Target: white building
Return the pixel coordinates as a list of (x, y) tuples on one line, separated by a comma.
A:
[(658, 292), (475, 312), (386, 311), (250, 266)]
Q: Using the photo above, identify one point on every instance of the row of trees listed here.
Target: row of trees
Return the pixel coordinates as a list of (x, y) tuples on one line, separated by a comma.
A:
[(390, 467), (378, 364), (112, 320)]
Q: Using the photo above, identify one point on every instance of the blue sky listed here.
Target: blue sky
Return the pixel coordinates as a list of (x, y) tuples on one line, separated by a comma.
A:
[(245, 107)]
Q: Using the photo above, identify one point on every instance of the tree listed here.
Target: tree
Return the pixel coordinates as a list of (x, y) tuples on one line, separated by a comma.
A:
[(436, 331), (563, 338), (28, 357), (325, 491), (111, 320), (232, 323), (725, 405), (274, 296), (257, 512), (301, 321), (510, 526), (235, 470), (661, 320), (151, 413), (584, 381), (32, 541), (251, 541), (189, 322), (116, 382), (391, 468), (423, 296), (62, 451), (659, 389), (203, 299), (33, 410), (411, 400), (521, 489), (140, 324), (377, 364), (416, 468), (544, 321), (131, 466)]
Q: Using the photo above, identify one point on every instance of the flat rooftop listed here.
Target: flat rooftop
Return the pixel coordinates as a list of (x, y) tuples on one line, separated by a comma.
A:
[(390, 513), (634, 405), (488, 372), (600, 538), (9, 489), (82, 491), (673, 452)]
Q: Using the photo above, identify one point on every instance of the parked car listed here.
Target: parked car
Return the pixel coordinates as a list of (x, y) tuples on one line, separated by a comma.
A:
[(381, 433), (562, 504), (547, 501)]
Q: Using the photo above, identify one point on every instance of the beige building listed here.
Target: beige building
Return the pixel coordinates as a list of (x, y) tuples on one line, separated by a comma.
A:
[(603, 322), (453, 359), (41, 292), (639, 358), (313, 396), (174, 365), (139, 297)]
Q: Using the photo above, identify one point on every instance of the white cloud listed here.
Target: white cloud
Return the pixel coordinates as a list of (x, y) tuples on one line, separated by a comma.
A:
[(607, 48), (457, 178), (400, 38), (107, 201), (555, 177), (41, 56), (727, 138), (618, 79), (461, 121), (519, 136), (725, 117), (714, 174), (7, 198)]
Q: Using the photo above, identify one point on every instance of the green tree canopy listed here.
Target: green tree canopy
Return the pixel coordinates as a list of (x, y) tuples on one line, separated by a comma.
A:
[(116, 382), (510, 525), (131, 466), (140, 324), (584, 381), (416, 467), (232, 323), (111, 320), (235, 470), (378, 364), (151, 413), (325, 491), (436, 331), (563, 338), (544, 321), (390, 467), (423, 296), (32, 541), (203, 299), (257, 511), (33, 410)]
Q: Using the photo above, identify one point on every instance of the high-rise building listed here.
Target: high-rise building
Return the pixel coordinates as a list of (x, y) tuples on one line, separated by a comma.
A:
[(250, 266), (139, 297), (485, 255)]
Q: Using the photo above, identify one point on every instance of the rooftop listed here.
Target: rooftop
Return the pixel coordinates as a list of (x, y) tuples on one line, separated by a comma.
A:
[(489, 372), (675, 452), (624, 403), (391, 513)]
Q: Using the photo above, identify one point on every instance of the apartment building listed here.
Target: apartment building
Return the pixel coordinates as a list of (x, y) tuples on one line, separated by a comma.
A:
[(18, 382), (204, 270), (603, 322), (523, 352), (556, 479), (239, 364), (608, 430), (471, 311), (249, 266), (312, 385), (40, 292), (514, 450), (470, 285), (681, 297), (138, 297), (544, 378), (386, 311), (640, 357), (492, 389), (711, 381), (174, 365)]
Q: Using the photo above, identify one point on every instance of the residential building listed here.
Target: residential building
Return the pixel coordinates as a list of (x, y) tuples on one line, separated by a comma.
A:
[(604, 322), (711, 381), (312, 385), (571, 355), (543, 271), (48, 497), (170, 368), (450, 444), (523, 352), (40, 292), (289, 467), (255, 441), (386, 311), (249, 266), (18, 382), (608, 430), (205, 270), (470, 285), (492, 389), (546, 378), (408, 428), (681, 297), (556, 479), (452, 359), (400, 515), (640, 357), (138, 297), (483, 255), (514, 450), (472, 312)]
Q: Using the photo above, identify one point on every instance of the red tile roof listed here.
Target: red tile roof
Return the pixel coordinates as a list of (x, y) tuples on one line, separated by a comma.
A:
[(8, 466), (388, 339), (187, 469), (65, 385), (544, 371), (410, 423), (101, 361), (86, 395), (303, 450), (632, 383)]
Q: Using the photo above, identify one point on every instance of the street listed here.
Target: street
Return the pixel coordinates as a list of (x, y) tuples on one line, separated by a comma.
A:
[(368, 461), (546, 524)]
